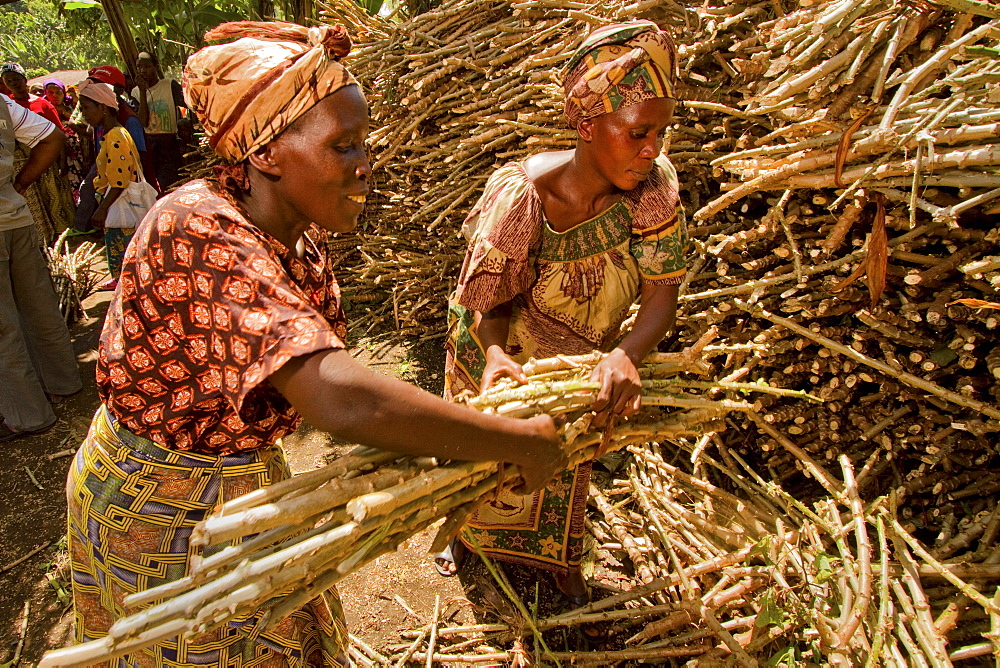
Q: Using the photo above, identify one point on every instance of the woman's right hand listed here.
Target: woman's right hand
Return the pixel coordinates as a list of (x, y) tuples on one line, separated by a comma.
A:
[(500, 365), (542, 457)]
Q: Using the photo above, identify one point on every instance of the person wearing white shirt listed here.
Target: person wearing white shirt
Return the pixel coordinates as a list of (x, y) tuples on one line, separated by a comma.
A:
[(159, 99), (36, 354)]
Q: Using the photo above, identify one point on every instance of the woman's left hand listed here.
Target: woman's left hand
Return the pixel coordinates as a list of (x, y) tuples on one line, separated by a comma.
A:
[(621, 387), (98, 218)]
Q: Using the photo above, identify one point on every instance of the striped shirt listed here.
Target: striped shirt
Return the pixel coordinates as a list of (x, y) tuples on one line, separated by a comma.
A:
[(17, 126)]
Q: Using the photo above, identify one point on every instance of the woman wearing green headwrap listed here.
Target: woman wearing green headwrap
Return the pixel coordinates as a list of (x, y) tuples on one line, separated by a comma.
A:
[(560, 246)]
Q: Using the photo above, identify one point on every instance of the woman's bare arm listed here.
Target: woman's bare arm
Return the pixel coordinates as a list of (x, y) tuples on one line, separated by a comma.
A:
[(335, 393)]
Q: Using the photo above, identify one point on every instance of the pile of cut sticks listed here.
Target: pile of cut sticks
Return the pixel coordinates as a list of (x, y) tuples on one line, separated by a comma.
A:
[(292, 540), (755, 577)]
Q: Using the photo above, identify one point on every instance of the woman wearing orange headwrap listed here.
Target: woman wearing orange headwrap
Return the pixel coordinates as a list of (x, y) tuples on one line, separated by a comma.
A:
[(226, 330), (560, 246)]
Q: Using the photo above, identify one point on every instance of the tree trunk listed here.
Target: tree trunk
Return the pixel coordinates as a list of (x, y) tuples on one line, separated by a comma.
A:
[(301, 11), (123, 36)]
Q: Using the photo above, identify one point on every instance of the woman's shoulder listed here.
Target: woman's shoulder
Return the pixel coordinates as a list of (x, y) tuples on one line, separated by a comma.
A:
[(657, 199), (116, 133), (666, 168), (537, 166), (508, 182), (507, 198), (197, 208), (524, 176)]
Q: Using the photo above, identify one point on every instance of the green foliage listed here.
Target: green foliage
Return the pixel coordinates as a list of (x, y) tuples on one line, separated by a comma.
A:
[(785, 658), (174, 29), (825, 564), (372, 7), (33, 33), (47, 35), (770, 614)]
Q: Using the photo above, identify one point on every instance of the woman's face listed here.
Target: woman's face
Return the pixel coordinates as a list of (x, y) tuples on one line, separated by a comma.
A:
[(324, 164), (93, 112), (55, 95), (625, 143)]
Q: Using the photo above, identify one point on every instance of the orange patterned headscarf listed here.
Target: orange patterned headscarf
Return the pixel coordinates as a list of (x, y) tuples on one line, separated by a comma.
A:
[(619, 65), (246, 92)]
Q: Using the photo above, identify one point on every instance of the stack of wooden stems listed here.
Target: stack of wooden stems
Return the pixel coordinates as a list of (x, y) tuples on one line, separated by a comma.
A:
[(750, 576), (890, 101), (310, 531), (839, 163), (74, 274)]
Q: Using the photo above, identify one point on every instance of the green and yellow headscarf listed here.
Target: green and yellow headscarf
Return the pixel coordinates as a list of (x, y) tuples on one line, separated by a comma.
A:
[(619, 65)]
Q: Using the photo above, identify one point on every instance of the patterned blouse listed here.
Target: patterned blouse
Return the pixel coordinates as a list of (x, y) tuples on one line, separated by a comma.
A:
[(118, 162), (208, 307), (570, 291)]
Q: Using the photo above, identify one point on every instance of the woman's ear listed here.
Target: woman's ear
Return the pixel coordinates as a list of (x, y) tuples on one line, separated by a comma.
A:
[(585, 129), (265, 159)]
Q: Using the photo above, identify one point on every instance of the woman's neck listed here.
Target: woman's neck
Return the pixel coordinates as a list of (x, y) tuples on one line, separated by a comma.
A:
[(264, 209), (584, 186), (570, 191)]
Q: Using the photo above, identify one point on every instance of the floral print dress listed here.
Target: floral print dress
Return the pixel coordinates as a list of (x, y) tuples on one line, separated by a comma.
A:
[(570, 292)]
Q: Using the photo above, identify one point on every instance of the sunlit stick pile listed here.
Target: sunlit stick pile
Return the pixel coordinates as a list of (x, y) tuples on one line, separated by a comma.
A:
[(744, 578), (895, 102), (310, 531), (75, 274), (839, 165)]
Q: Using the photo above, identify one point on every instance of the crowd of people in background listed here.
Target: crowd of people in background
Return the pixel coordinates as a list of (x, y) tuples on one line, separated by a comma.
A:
[(150, 107), (68, 151)]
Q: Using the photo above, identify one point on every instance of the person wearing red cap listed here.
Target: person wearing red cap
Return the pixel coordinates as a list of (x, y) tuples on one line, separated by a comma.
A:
[(108, 74), (113, 76)]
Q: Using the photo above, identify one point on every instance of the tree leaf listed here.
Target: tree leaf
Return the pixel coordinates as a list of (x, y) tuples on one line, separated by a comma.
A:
[(824, 567), (785, 657), (770, 614), (878, 253), (762, 549), (845, 144), (943, 356), (855, 275)]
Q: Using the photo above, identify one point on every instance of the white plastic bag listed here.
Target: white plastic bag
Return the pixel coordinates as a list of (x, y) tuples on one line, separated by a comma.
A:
[(131, 206)]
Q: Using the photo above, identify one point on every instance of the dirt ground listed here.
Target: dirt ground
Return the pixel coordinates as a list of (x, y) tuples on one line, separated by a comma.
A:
[(394, 592)]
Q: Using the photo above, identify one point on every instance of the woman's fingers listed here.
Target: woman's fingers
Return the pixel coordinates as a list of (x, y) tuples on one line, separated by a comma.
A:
[(494, 372), (518, 374), (604, 396), (623, 402), (636, 404)]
